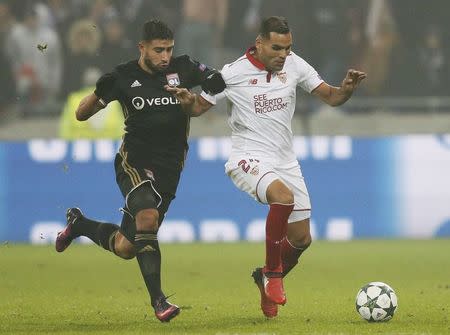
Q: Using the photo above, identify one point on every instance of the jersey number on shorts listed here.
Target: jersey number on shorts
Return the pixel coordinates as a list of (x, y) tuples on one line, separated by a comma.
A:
[(245, 165)]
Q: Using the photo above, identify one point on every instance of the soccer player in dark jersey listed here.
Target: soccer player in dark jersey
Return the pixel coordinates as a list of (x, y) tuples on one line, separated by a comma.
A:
[(150, 160)]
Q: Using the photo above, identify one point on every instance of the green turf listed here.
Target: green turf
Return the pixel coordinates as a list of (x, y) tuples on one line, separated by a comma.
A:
[(88, 291)]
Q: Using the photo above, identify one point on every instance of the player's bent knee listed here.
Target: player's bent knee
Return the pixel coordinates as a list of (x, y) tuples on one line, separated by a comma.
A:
[(142, 198), (301, 241), (306, 242), (283, 197), (278, 192), (147, 220), (126, 254), (287, 198), (124, 249)]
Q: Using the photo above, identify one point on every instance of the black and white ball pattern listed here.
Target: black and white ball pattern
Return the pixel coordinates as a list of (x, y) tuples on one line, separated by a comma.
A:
[(376, 301)]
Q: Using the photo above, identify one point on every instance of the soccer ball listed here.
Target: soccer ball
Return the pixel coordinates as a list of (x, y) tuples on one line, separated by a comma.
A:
[(376, 301)]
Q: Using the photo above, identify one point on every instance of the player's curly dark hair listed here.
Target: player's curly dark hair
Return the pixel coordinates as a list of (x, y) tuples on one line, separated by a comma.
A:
[(275, 24), (156, 30)]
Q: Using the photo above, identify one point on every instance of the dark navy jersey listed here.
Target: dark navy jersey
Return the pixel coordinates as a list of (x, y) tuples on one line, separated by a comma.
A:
[(156, 127)]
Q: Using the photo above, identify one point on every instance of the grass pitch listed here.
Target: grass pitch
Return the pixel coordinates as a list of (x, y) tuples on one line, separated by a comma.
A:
[(86, 290)]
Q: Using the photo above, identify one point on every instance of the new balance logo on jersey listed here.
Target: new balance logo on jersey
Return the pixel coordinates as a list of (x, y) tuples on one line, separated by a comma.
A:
[(253, 81), (136, 84)]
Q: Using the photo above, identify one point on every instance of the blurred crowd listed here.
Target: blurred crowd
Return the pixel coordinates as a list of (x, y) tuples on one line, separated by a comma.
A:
[(51, 49)]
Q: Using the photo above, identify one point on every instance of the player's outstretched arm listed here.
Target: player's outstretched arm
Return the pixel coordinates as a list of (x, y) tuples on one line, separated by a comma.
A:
[(193, 104), (336, 96), (88, 106)]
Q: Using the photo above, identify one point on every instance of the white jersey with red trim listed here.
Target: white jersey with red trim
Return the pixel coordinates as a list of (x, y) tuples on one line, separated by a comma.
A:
[(263, 104)]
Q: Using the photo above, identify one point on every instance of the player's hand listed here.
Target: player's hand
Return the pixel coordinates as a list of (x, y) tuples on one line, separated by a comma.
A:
[(184, 96), (352, 80)]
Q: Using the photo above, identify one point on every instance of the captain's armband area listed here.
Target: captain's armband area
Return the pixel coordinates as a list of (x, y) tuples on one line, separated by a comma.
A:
[(213, 83)]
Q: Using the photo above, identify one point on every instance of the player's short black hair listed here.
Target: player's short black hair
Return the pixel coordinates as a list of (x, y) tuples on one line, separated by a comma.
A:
[(156, 30), (273, 24)]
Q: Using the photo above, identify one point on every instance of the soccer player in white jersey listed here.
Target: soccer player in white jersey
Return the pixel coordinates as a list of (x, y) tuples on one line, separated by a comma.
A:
[(261, 90)]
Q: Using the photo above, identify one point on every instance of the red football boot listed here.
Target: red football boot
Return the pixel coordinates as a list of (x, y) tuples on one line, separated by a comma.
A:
[(273, 286), (269, 308)]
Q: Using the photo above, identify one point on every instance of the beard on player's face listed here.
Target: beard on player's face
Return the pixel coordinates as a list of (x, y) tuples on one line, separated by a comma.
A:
[(152, 67), (160, 67)]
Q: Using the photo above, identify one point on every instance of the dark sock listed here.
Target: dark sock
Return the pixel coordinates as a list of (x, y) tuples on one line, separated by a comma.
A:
[(101, 233), (289, 256), (148, 255), (276, 228)]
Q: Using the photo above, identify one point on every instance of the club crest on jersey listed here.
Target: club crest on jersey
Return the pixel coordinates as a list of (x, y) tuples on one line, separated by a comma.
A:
[(173, 79), (282, 76)]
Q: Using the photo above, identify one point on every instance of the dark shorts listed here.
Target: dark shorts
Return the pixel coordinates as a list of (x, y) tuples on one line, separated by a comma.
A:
[(163, 181)]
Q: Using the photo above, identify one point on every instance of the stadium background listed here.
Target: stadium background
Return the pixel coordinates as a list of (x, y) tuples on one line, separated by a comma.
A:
[(376, 167)]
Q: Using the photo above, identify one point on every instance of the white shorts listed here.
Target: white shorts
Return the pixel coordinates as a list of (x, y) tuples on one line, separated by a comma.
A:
[(254, 177)]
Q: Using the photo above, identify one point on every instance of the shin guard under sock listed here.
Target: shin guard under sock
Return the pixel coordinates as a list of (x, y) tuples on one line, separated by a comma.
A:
[(276, 228), (148, 255)]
